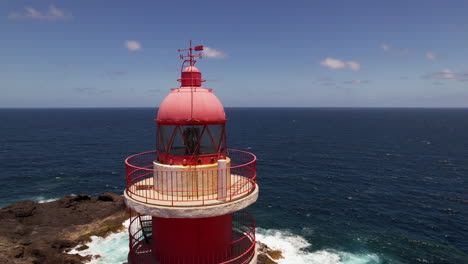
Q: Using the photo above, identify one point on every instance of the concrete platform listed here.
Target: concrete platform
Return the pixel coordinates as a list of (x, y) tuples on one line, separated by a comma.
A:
[(145, 200)]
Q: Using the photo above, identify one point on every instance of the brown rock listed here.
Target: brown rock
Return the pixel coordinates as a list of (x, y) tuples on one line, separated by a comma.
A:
[(107, 197), (42, 233), (61, 243), (22, 208), (261, 247), (265, 258), (24, 242), (18, 252), (73, 200), (83, 247), (267, 255), (275, 254)]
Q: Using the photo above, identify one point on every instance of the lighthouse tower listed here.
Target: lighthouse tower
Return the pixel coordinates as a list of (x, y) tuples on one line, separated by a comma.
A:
[(187, 197)]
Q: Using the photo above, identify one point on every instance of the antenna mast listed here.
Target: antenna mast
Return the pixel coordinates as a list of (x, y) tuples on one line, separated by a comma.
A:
[(191, 59)]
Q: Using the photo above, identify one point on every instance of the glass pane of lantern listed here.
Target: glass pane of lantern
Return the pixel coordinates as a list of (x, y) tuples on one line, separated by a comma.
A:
[(178, 146), (217, 133), (192, 136), (210, 139), (164, 136), (186, 139), (207, 146)]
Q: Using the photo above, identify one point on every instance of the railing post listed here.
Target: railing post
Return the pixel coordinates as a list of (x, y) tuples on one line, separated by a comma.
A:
[(222, 179)]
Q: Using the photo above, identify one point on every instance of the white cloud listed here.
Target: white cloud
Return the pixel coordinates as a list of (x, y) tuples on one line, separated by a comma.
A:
[(431, 55), (385, 47), (391, 49), (132, 45), (357, 81), (52, 14), (336, 64), (213, 53), (354, 66), (445, 74), (333, 64)]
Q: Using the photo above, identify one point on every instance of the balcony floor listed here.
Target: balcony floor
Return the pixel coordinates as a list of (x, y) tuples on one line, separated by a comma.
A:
[(143, 191)]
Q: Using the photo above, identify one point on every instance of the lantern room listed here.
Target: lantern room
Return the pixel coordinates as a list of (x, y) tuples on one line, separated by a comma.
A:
[(191, 123)]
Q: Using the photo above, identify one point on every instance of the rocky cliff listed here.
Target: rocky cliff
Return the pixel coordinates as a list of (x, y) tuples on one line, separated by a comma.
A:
[(42, 233)]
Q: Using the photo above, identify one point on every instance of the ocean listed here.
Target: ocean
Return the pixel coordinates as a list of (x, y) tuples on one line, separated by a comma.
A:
[(337, 185)]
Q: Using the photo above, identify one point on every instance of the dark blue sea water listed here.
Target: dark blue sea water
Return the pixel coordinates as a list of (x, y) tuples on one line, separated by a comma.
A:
[(389, 182)]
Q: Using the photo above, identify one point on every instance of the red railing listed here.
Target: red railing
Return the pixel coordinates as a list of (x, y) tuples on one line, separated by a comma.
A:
[(240, 251), (158, 184)]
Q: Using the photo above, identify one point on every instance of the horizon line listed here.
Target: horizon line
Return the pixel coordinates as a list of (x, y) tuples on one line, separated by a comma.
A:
[(315, 107)]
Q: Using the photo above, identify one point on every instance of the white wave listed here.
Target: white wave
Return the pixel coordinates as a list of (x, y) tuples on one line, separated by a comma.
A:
[(114, 249), (42, 199), (293, 249), (111, 250)]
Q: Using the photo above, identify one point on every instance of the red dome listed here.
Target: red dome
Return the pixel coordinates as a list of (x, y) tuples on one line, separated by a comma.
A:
[(191, 69), (177, 107)]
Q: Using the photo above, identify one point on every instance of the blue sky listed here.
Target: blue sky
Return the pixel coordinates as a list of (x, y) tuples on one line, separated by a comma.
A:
[(67, 53)]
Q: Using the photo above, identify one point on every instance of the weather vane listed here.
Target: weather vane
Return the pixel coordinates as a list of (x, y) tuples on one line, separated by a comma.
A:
[(190, 55)]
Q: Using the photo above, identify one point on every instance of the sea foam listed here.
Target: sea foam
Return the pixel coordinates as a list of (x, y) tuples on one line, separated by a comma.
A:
[(114, 249), (42, 199), (293, 248), (110, 250)]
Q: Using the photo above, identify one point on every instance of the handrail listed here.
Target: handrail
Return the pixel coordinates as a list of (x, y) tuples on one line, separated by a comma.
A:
[(180, 186), (253, 158)]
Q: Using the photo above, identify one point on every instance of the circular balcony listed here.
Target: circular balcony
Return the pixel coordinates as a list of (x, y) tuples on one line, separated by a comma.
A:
[(241, 250), (153, 183)]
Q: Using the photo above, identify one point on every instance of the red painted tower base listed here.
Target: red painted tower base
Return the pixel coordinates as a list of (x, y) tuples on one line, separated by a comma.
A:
[(181, 240)]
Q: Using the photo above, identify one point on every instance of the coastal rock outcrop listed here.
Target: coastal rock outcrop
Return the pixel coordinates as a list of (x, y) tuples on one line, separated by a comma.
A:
[(266, 255), (42, 233)]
